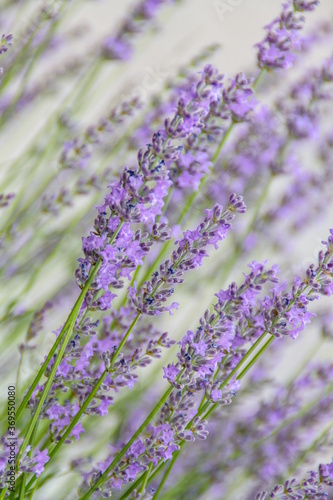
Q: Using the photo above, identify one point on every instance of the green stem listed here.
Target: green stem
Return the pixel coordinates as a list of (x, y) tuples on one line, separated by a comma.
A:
[(72, 317), (256, 357), (145, 480), (166, 474), (140, 479), (120, 455), (95, 389), (244, 371), (19, 370), (24, 475), (90, 397), (3, 492), (66, 328), (305, 363)]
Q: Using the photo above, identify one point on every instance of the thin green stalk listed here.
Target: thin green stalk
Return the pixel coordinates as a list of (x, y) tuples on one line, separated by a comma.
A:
[(305, 363), (95, 389), (72, 317), (66, 328), (145, 480), (24, 475), (166, 474), (19, 370), (256, 357), (119, 456), (3, 492), (49, 382)]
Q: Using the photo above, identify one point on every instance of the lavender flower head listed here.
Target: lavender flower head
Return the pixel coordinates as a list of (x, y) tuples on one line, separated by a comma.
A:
[(5, 42), (276, 51)]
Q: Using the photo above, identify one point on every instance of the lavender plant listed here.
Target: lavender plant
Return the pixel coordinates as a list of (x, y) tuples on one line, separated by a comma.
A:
[(123, 400)]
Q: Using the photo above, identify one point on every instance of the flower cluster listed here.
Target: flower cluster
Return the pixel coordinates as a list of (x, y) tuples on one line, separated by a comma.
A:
[(313, 486), (149, 299), (283, 36), (200, 354), (5, 42), (5, 199), (139, 197), (209, 359)]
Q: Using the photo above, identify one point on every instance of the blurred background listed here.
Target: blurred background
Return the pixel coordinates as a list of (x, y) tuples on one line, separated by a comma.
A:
[(38, 261)]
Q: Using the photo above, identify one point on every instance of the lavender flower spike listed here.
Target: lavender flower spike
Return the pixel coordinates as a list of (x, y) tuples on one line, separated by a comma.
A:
[(283, 36), (313, 486), (5, 42)]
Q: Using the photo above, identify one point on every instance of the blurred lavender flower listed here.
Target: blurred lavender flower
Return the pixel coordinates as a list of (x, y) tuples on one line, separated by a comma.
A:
[(283, 36), (313, 486), (5, 42)]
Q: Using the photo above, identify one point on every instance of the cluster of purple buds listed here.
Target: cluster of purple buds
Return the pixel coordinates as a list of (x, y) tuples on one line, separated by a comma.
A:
[(138, 197), (5, 42), (5, 199), (305, 5), (313, 486), (283, 36), (200, 354), (237, 99), (33, 461), (151, 296), (227, 104)]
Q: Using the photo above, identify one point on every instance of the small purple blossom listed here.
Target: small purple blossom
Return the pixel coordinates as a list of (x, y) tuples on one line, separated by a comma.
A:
[(5, 42)]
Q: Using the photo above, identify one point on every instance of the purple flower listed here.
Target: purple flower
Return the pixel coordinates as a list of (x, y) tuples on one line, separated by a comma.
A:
[(305, 5), (115, 48), (170, 372), (5, 42), (276, 51), (189, 254), (39, 460)]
